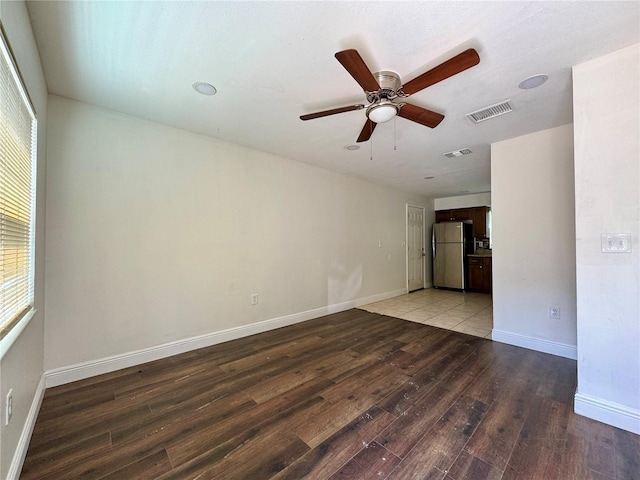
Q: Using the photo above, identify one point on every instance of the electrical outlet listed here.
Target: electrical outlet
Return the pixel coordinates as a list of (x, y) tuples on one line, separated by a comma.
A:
[(554, 312), (9, 407), (254, 299)]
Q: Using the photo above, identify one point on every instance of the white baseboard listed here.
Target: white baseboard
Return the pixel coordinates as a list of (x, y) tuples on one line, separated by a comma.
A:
[(25, 437), (534, 343), (80, 371), (375, 298), (608, 412)]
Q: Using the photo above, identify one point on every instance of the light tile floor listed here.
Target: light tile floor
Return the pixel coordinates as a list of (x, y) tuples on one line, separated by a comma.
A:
[(465, 312)]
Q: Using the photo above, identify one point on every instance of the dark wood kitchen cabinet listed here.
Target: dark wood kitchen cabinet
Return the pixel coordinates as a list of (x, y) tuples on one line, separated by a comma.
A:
[(454, 215), (478, 215), (443, 216), (479, 274)]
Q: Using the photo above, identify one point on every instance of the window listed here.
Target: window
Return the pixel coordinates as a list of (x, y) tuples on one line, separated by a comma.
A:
[(17, 194)]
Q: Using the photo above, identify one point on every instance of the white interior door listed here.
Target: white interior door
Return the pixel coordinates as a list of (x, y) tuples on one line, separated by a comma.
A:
[(415, 248)]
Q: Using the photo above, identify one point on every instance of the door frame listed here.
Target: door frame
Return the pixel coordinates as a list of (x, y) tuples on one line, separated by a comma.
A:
[(406, 245)]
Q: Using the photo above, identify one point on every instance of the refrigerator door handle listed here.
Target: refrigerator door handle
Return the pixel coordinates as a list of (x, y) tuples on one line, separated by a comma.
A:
[(433, 241), (433, 256)]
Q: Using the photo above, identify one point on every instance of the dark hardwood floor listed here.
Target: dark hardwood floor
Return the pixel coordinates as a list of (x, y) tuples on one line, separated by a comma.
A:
[(353, 395)]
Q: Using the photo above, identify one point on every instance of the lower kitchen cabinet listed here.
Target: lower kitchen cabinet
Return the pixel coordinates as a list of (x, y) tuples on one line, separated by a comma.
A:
[(479, 274)]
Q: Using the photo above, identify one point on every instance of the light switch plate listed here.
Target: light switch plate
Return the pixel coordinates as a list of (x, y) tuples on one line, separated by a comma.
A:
[(616, 242)]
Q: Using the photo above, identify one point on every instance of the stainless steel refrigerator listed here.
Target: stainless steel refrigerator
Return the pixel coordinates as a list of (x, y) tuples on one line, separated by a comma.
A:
[(450, 242)]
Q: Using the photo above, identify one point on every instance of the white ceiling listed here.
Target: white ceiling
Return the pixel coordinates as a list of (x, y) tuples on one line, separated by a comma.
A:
[(274, 61)]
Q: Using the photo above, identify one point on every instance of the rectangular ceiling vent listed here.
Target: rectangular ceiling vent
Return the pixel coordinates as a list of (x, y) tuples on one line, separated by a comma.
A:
[(491, 111), (458, 153)]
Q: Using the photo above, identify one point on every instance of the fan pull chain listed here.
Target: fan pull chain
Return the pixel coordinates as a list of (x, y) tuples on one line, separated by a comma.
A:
[(395, 124), (371, 141), (371, 145)]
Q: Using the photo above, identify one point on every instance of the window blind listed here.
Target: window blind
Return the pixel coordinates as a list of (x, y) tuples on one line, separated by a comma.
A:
[(17, 194)]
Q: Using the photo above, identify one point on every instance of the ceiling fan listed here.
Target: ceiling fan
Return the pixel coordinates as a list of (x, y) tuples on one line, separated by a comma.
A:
[(384, 91)]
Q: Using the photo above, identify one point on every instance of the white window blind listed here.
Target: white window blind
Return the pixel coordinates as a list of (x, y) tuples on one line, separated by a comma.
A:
[(17, 195)]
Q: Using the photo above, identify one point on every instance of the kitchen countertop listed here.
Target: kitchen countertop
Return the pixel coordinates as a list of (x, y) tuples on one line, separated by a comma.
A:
[(481, 255)]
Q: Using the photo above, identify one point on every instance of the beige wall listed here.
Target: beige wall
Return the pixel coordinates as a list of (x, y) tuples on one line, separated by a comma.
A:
[(534, 240), (463, 201), (607, 198), (21, 364), (155, 234)]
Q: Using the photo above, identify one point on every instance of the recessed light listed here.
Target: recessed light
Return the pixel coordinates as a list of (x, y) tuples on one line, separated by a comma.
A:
[(429, 178), (533, 81), (204, 88), (352, 147)]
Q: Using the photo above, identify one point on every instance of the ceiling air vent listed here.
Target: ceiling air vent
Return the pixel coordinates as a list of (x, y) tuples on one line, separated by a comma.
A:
[(490, 112), (458, 153)]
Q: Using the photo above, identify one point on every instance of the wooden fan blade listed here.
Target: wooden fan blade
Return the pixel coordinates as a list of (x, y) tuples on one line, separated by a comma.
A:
[(354, 64), (333, 111), (366, 132), (457, 64), (420, 115)]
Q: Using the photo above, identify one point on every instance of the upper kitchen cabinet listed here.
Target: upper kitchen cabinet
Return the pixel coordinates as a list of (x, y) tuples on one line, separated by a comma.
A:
[(478, 215), (454, 215), (443, 216)]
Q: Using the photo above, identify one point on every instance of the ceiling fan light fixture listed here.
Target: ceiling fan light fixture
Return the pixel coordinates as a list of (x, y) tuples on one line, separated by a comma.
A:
[(382, 112)]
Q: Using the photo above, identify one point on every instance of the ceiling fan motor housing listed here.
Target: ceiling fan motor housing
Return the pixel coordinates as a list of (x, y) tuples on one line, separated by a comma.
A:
[(389, 86), (382, 109)]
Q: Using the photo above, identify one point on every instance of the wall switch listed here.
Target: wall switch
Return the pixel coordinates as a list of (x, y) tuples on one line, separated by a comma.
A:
[(615, 242), (9, 407), (554, 312), (254, 299)]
